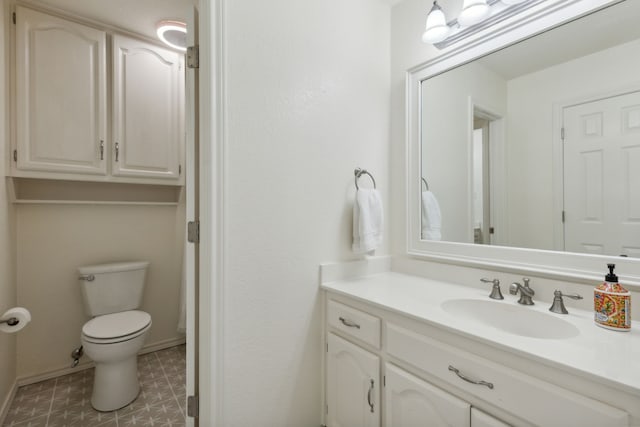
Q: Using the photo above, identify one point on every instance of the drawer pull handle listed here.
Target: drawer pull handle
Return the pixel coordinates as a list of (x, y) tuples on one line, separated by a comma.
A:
[(469, 380), (369, 395), (349, 323)]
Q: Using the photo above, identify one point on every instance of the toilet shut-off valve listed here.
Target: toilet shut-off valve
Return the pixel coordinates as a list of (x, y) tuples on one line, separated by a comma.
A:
[(495, 291)]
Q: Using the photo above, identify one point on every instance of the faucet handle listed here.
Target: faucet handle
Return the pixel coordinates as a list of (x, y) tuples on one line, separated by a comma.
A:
[(558, 304), (526, 280), (495, 291)]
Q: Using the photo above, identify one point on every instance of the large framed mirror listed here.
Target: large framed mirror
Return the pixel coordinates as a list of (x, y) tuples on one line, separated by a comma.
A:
[(524, 147)]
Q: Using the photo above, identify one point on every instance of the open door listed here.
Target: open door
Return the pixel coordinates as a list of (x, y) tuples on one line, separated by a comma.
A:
[(193, 225)]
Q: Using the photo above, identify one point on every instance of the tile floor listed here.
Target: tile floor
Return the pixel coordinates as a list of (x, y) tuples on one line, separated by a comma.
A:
[(65, 401)]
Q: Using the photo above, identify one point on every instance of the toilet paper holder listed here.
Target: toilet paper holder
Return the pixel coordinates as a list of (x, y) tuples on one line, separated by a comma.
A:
[(11, 321)]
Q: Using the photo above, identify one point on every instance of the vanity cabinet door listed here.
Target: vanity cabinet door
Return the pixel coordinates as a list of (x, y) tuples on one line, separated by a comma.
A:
[(412, 402), (147, 110), (60, 96), (480, 419), (353, 385)]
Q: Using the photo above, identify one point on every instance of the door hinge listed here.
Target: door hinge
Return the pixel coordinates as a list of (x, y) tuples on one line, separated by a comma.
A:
[(562, 133), (14, 17), (193, 406), (193, 231), (15, 156), (563, 217), (193, 57), (492, 230)]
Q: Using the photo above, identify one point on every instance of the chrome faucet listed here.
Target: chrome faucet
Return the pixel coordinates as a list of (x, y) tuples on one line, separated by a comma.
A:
[(558, 304), (495, 291), (525, 291)]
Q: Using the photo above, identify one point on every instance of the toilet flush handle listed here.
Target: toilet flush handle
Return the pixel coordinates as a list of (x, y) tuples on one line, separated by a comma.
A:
[(88, 278)]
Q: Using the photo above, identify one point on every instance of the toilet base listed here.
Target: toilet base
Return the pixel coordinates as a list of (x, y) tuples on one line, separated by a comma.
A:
[(115, 384)]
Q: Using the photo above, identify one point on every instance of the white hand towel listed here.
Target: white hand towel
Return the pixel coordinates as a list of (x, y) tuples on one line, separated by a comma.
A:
[(367, 221), (431, 217)]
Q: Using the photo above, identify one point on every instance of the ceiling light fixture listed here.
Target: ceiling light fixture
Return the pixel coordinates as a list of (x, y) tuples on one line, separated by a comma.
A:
[(173, 34), (475, 15)]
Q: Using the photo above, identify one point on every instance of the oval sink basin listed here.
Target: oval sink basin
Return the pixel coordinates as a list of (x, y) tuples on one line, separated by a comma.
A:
[(512, 318)]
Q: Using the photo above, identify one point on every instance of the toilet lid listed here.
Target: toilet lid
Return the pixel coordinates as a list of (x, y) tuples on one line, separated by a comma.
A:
[(116, 325)]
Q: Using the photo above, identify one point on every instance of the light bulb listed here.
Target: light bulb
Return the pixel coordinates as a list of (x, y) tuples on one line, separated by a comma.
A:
[(473, 12), (173, 33), (436, 28)]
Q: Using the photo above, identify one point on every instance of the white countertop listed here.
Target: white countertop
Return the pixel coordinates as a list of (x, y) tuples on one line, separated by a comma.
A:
[(609, 357)]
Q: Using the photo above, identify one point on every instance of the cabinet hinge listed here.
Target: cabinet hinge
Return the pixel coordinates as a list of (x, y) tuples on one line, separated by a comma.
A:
[(384, 381), (179, 169), (15, 156), (193, 231), (563, 217), (326, 409), (562, 133), (327, 347), (193, 406), (14, 17), (193, 57)]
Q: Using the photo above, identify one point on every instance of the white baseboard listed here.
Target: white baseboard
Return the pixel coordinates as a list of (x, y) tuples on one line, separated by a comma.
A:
[(149, 348), (4, 409)]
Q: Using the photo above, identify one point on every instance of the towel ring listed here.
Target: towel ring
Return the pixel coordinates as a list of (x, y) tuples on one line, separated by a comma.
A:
[(359, 172), (426, 184)]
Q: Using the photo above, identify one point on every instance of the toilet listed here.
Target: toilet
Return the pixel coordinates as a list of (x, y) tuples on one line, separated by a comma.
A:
[(116, 332)]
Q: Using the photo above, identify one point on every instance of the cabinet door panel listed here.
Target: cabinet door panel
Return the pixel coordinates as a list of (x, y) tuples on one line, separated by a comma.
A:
[(147, 111), (60, 94), (480, 419), (412, 402), (353, 391)]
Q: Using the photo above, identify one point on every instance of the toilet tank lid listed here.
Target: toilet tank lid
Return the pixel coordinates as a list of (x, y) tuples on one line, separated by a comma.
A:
[(113, 267)]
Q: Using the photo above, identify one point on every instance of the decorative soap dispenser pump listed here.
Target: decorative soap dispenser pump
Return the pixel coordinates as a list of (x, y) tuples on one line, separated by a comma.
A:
[(612, 304)]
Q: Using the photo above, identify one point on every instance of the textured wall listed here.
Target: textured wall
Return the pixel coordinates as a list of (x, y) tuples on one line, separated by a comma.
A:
[(307, 102)]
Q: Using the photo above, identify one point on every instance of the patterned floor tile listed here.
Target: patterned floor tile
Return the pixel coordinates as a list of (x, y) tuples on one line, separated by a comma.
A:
[(66, 400)]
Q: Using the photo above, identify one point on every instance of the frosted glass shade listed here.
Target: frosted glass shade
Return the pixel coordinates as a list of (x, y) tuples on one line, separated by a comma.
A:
[(436, 28), (512, 1), (473, 12)]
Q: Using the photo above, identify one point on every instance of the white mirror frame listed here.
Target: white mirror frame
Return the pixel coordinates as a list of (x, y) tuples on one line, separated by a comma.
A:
[(544, 263)]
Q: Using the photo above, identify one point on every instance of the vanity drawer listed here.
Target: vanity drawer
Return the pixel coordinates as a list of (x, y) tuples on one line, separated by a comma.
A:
[(533, 400), (356, 323)]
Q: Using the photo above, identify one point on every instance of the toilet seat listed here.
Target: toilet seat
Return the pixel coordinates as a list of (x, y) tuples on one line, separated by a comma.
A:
[(116, 327)]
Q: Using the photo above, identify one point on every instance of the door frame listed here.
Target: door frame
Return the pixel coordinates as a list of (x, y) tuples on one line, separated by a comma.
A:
[(558, 152), (212, 106)]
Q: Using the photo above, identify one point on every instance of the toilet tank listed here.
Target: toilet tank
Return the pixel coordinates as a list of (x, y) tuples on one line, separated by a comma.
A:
[(111, 288)]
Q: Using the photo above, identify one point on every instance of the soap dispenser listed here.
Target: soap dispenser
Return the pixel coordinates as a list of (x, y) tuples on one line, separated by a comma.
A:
[(612, 304)]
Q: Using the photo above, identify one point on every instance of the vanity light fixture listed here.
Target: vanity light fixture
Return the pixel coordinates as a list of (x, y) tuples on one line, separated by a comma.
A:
[(173, 34), (475, 15)]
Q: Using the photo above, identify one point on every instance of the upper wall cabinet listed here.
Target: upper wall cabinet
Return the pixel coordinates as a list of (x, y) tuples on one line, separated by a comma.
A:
[(66, 125), (60, 95), (146, 109)]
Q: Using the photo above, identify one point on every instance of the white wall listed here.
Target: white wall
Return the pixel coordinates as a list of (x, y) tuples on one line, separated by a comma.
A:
[(53, 240), (7, 235), (530, 132), (307, 102)]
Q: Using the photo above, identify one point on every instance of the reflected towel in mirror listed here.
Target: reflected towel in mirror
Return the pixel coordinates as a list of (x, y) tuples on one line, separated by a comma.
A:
[(367, 221), (431, 217)]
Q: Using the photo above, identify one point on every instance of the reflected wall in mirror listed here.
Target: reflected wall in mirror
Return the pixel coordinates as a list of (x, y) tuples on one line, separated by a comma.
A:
[(538, 145)]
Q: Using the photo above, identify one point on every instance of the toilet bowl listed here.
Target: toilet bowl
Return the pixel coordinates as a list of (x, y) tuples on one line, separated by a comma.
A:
[(115, 334), (112, 341)]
